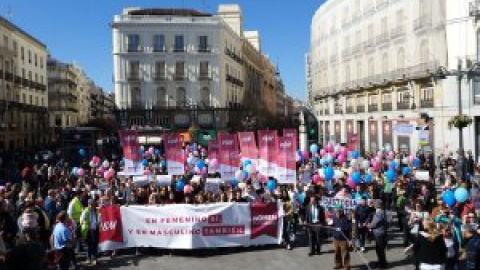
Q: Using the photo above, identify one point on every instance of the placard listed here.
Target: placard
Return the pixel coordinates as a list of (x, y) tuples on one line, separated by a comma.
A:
[(422, 176), (213, 185)]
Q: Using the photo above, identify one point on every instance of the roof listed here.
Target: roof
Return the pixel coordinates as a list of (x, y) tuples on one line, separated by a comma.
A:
[(21, 31), (169, 12)]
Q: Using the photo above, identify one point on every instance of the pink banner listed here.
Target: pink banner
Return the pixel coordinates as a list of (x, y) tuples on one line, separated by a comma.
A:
[(213, 149), (291, 132), (173, 150), (268, 142), (248, 145), (229, 158), (286, 163), (131, 152)]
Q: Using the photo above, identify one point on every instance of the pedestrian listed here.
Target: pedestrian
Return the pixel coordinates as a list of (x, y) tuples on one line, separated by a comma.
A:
[(315, 218), (62, 241), (89, 224), (341, 232), (378, 226), (472, 248), (430, 249), (74, 210), (362, 213), (287, 221)]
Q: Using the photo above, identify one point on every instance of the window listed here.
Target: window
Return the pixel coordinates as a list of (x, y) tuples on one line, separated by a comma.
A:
[(372, 100), (36, 60), (58, 121), (403, 97), (181, 96), (134, 69), (387, 97), (179, 43), (161, 96), (24, 98), (36, 101), (180, 70), (205, 96), (29, 57), (15, 47), (30, 99), (41, 62), (202, 43), (23, 73), (133, 43), (160, 70), (22, 54), (158, 43), (204, 66), (136, 96), (30, 75), (426, 93), (36, 77)]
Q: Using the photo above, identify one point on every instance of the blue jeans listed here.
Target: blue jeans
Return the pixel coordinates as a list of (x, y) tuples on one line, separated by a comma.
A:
[(361, 233)]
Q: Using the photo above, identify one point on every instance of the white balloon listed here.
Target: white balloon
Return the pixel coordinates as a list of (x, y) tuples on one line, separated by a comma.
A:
[(365, 164), (337, 148), (105, 164), (338, 174)]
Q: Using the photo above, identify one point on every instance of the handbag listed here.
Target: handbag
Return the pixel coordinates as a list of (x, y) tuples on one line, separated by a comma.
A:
[(415, 229)]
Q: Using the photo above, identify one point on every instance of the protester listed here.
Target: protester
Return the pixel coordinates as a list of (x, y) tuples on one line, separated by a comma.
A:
[(89, 226), (62, 241), (362, 214), (342, 228), (430, 249), (378, 226), (315, 222)]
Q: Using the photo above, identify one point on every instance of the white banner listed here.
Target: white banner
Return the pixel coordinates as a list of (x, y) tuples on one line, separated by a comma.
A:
[(190, 226), (403, 129)]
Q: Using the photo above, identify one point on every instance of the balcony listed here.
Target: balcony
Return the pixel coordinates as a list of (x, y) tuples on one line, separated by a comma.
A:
[(204, 77), (382, 38), (397, 32), (360, 108), (180, 77), (338, 110), (369, 44), (133, 77), (403, 106), (204, 50), (372, 107), (422, 23), (159, 49), (350, 109), (426, 103), (179, 50), (422, 70), (398, 74), (346, 53), (387, 107), (133, 49), (333, 58), (159, 77)]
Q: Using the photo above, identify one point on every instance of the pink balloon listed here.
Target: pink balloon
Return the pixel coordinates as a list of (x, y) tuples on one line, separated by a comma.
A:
[(197, 170), (151, 150), (316, 179), (214, 163), (323, 152), (380, 154), (263, 178), (100, 170), (316, 155), (350, 183), (330, 148), (411, 158), (344, 151), (341, 159), (147, 172), (107, 175), (306, 155), (81, 172), (391, 155), (187, 189), (203, 171)]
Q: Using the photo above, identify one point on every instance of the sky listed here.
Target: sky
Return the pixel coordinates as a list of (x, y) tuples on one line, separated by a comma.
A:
[(78, 30)]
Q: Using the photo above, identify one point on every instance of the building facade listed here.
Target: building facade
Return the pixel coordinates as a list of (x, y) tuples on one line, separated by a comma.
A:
[(23, 89), (374, 67), (178, 67)]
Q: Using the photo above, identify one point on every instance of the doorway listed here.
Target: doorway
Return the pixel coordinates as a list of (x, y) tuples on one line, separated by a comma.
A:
[(361, 135)]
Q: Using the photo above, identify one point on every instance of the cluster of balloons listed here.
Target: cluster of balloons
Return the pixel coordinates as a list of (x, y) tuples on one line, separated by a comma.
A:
[(95, 162), (450, 197), (78, 171)]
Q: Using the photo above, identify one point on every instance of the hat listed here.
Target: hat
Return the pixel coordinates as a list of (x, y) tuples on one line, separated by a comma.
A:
[(338, 207)]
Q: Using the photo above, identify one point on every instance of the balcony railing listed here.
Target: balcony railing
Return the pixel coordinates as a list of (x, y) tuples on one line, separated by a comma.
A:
[(159, 49), (382, 38), (426, 104), (387, 107), (350, 109), (180, 77), (204, 77), (422, 23), (179, 50), (403, 106), (372, 107), (422, 69), (360, 108), (160, 77), (398, 74), (397, 32), (132, 77), (327, 112), (338, 111), (134, 49), (204, 49)]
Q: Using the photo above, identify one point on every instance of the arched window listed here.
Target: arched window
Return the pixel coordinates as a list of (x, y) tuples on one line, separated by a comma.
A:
[(181, 96), (424, 51), (401, 58), (161, 96), (205, 96), (136, 96)]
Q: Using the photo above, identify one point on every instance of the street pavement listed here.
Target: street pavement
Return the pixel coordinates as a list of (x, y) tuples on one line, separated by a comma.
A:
[(267, 257)]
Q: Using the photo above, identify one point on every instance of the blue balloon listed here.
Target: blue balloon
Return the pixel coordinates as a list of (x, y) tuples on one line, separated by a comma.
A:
[(145, 162), (157, 152), (329, 173), (314, 148), (368, 178), (245, 175), (390, 174), (323, 162), (190, 160), (461, 195), (356, 177), (163, 163), (355, 154), (200, 164), (406, 171), (449, 198), (82, 152), (179, 186), (416, 163), (271, 185), (330, 160), (301, 197), (234, 182), (393, 165), (246, 163), (74, 171)]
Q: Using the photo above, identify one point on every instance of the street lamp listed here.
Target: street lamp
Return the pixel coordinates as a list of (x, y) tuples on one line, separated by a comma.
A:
[(442, 73)]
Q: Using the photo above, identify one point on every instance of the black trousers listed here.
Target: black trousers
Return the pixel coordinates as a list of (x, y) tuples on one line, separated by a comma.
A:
[(315, 238), (380, 246)]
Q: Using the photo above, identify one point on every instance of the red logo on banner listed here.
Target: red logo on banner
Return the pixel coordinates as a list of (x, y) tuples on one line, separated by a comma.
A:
[(111, 225), (264, 219)]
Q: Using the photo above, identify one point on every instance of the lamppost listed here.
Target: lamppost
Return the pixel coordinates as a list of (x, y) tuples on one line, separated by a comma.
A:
[(443, 72)]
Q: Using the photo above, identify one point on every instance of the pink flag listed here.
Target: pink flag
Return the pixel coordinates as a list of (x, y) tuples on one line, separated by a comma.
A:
[(292, 132), (131, 152), (248, 145), (228, 155), (173, 150), (268, 142), (286, 163), (213, 149)]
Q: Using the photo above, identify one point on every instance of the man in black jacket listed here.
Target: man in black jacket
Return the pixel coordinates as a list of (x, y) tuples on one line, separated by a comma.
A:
[(378, 226), (341, 232), (315, 217), (362, 213)]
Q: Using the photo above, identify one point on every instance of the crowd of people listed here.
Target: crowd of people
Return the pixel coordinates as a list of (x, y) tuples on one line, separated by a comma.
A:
[(51, 211)]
